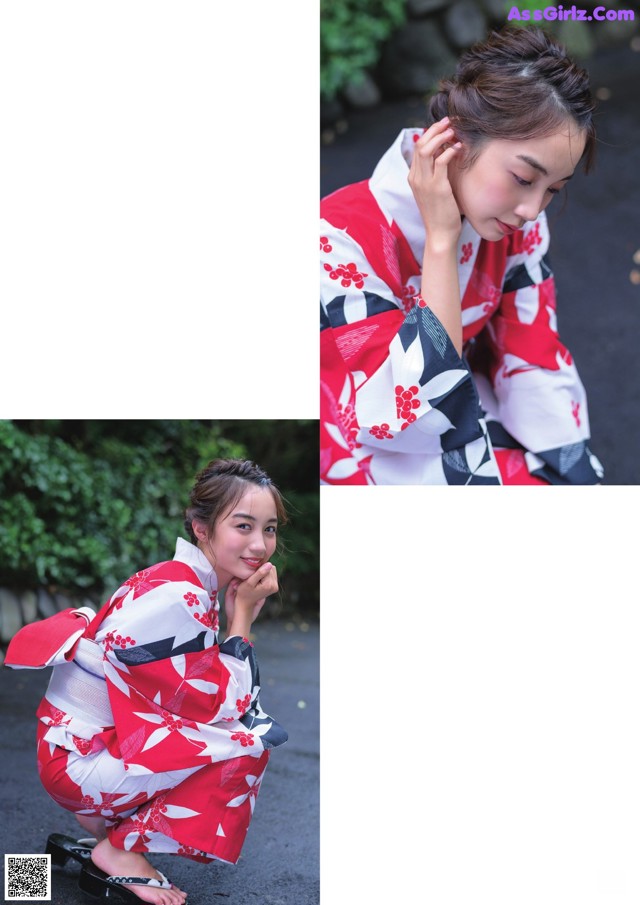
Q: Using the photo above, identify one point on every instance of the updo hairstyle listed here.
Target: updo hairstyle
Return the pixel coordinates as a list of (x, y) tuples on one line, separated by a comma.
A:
[(518, 84), (219, 486)]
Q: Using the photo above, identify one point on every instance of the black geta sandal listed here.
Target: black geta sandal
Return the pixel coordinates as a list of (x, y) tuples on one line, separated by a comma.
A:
[(97, 883)]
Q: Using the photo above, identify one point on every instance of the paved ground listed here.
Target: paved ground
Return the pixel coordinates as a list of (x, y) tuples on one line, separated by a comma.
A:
[(280, 860), (593, 243)]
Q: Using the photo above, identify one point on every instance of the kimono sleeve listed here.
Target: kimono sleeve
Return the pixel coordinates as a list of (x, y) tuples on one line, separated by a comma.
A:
[(398, 404), (177, 696), (541, 401)]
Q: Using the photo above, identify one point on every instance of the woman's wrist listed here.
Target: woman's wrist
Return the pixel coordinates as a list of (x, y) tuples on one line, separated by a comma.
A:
[(440, 288), (441, 246), (240, 625)]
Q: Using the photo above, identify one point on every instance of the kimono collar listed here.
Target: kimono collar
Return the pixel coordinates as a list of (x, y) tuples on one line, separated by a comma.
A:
[(390, 187), (194, 557)]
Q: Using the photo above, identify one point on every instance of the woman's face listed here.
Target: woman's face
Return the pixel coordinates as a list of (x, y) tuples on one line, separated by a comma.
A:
[(244, 537), (510, 182)]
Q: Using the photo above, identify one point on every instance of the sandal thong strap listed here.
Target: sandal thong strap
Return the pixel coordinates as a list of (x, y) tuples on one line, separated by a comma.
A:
[(141, 881)]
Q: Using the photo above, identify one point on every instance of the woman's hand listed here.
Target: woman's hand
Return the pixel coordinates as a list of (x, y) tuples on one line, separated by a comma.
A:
[(429, 181), (243, 600)]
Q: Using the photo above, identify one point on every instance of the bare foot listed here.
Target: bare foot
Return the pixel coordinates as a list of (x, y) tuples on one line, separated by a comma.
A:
[(116, 862), (95, 825)]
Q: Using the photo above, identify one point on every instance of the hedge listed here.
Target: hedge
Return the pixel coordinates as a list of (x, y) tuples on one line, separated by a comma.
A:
[(85, 504)]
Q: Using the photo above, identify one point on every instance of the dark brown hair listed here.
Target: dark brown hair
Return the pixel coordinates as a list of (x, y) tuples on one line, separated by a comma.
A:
[(219, 486), (520, 83)]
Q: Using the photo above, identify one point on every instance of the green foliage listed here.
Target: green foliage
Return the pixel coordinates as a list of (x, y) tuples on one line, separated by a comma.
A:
[(351, 36), (84, 504)]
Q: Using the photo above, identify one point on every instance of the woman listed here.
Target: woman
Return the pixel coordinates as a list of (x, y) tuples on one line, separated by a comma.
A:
[(441, 362), (153, 735)]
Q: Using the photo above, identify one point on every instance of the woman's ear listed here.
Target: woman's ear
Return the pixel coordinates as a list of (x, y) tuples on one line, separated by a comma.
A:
[(199, 529)]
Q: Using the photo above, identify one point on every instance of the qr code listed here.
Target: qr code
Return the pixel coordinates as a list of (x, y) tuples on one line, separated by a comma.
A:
[(27, 878)]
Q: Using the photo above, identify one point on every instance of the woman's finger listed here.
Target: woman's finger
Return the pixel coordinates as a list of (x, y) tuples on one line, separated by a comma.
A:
[(443, 160), (431, 148), (436, 129)]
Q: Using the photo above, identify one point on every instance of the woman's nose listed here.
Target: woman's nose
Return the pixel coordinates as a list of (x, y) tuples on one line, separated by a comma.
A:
[(257, 544), (530, 209)]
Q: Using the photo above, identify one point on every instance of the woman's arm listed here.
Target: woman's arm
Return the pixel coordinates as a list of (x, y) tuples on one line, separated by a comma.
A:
[(429, 181), (541, 400)]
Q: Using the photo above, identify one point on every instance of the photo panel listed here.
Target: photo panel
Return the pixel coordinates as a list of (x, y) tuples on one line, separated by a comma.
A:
[(548, 285), (188, 553)]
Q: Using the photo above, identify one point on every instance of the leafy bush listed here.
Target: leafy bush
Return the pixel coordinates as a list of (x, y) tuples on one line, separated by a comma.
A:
[(351, 36), (84, 504)]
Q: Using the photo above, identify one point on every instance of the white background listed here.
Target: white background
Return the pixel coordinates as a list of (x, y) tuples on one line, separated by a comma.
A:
[(158, 196), (480, 678)]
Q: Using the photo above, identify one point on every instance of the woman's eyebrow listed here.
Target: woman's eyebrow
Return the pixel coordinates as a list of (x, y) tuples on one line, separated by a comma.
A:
[(251, 517), (538, 166)]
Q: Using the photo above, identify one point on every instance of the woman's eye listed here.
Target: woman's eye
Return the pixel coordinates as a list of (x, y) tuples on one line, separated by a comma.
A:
[(243, 525), (554, 191), (520, 181), (271, 530)]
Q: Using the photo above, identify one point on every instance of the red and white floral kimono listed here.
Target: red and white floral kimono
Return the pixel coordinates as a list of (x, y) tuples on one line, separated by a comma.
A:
[(398, 404), (154, 725)]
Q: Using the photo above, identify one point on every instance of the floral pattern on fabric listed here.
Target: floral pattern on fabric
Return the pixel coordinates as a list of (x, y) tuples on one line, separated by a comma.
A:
[(179, 769)]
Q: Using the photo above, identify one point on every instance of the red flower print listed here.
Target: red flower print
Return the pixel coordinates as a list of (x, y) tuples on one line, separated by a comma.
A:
[(347, 274), (112, 640), (243, 705), (467, 249), (406, 403), (575, 411), (204, 619), (87, 802), (347, 415), (171, 723), (324, 244), (139, 825), (408, 298), (156, 814), (58, 719), (82, 744), (191, 598), (108, 799), (137, 580), (245, 738), (213, 596), (158, 805), (532, 239), (381, 432)]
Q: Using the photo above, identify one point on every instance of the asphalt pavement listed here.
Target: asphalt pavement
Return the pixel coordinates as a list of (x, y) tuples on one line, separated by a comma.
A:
[(593, 243), (280, 860)]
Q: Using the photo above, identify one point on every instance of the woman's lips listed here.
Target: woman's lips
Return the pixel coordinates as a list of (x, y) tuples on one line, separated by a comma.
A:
[(506, 228), (253, 563)]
